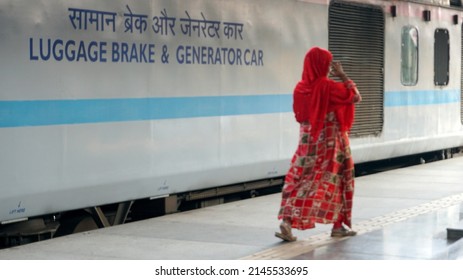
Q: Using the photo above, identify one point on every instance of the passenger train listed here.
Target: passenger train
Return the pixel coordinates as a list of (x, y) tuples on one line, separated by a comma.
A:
[(120, 107)]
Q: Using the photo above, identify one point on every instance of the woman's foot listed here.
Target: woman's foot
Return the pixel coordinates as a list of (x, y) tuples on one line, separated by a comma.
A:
[(285, 232), (342, 232)]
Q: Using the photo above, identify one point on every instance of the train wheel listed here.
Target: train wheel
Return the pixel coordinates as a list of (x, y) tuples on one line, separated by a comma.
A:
[(74, 222)]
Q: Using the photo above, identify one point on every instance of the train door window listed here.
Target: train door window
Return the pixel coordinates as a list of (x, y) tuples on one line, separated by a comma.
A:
[(441, 57), (409, 61)]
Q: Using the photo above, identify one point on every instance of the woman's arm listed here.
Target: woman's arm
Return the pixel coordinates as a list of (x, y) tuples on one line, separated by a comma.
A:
[(338, 71)]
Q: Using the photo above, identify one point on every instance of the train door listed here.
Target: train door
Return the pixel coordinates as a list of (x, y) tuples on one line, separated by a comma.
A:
[(461, 85), (356, 37)]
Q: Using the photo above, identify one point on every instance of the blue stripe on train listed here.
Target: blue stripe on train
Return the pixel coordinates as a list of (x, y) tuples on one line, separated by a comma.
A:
[(423, 97), (58, 112)]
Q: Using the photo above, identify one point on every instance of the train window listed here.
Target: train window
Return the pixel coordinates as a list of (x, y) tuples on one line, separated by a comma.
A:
[(409, 61), (441, 57)]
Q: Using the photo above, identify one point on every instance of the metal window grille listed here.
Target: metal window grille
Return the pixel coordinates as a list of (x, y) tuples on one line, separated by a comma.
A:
[(356, 38)]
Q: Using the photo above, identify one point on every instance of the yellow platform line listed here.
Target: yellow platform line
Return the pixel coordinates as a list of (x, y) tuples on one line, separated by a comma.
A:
[(294, 249)]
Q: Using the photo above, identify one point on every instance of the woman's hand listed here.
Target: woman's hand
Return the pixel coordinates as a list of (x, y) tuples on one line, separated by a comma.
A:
[(338, 71)]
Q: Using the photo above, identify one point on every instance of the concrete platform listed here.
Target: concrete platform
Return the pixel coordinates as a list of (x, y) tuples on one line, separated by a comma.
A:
[(399, 214)]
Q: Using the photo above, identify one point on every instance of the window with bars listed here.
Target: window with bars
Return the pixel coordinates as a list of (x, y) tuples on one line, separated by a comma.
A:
[(356, 38)]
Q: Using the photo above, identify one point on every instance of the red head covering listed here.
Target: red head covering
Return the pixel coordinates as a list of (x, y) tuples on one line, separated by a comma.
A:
[(316, 95), (316, 64)]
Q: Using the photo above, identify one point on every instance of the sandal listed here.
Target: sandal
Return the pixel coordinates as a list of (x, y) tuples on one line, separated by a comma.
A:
[(342, 232), (285, 233)]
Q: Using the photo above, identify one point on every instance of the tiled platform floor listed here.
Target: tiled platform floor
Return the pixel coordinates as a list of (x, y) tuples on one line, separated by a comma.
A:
[(400, 214)]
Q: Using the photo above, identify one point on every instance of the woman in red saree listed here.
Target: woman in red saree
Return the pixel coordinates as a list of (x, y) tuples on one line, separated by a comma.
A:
[(319, 185)]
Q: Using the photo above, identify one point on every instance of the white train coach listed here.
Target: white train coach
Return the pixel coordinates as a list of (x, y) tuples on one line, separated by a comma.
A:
[(119, 107)]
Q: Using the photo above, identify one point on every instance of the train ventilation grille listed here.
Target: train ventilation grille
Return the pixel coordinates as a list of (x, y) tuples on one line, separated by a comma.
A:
[(356, 37)]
